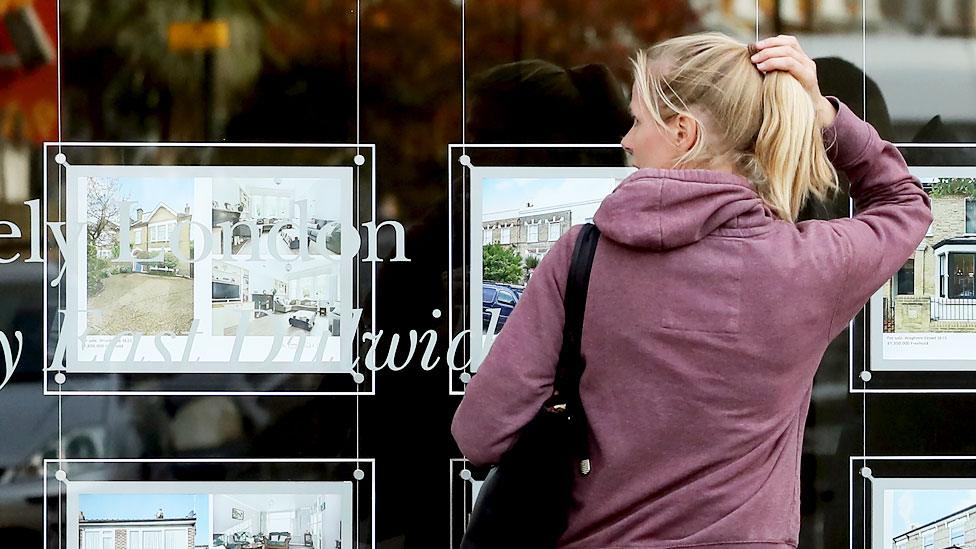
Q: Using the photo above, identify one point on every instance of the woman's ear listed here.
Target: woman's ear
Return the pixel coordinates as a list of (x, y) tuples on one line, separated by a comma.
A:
[(685, 130)]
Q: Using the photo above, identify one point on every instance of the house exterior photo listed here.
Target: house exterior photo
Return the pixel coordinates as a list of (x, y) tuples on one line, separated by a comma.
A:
[(105, 245), (955, 531), (137, 534), (935, 291), (151, 233), (532, 233)]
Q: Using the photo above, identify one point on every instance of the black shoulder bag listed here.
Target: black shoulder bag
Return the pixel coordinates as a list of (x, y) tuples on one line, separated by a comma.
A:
[(525, 500)]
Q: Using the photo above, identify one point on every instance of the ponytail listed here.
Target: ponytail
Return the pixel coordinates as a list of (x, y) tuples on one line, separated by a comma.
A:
[(764, 124), (790, 148)]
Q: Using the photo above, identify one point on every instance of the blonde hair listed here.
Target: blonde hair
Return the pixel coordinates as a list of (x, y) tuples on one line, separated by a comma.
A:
[(765, 125)]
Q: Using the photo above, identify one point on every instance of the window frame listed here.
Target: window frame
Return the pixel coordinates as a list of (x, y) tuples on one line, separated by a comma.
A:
[(558, 232)]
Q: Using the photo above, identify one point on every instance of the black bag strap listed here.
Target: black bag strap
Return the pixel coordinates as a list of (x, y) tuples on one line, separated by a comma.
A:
[(569, 370)]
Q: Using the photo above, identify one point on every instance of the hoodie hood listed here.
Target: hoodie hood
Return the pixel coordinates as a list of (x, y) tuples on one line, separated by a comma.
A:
[(660, 209)]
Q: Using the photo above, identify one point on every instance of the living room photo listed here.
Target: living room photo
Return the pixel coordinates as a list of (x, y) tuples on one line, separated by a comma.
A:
[(295, 298), (277, 521), (241, 204)]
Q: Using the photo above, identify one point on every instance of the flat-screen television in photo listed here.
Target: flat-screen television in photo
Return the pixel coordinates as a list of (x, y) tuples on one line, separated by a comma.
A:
[(223, 291)]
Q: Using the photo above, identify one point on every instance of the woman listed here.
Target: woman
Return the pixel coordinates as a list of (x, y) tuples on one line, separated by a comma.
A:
[(709, 306)]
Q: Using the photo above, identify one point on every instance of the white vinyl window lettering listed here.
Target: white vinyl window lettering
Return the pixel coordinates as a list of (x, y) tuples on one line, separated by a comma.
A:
[(486, 237), (506, 235), (533, 232), (553, 231)]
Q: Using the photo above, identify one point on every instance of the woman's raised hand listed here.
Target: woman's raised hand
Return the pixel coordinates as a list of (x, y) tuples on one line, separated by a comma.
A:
[(784, 53)]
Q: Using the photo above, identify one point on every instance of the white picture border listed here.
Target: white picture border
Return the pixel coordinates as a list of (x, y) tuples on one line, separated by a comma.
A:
[(341, 488), (233, 486), (877, 337), (472, 221), (50, 146), (202, 304), (860, 471), (457, 465)]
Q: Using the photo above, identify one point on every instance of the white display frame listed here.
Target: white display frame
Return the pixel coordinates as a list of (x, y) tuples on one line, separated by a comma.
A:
[(472, 222), (359, 160), (209, 348), (232, 487), (959, 340), (459, 517), (342, 489), (860, 470)]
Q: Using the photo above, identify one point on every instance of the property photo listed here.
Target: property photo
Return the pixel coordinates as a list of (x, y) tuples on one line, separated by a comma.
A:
[(277, 521), (521, 219), (242, 204), (152, 292), (143, 521), (924, 317), (935, 291), (294, 298), (929, 519)]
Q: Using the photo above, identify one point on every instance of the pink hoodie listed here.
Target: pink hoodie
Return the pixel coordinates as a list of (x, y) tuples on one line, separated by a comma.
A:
[(706, 320)]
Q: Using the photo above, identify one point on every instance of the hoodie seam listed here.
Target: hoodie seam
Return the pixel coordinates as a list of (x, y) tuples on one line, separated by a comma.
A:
[(660, 223)]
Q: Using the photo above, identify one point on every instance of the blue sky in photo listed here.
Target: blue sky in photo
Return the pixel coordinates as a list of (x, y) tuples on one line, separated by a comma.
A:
[(145, 506), (148, 192), (914, 508), (503, 197)]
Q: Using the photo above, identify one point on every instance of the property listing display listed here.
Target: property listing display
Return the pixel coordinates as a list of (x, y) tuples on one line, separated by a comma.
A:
[(922, 511), (208, 269), (193, 515), (517, 214), (924, 318)]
